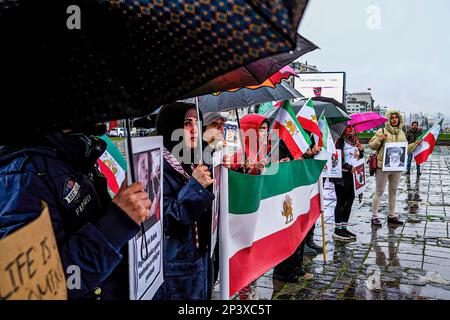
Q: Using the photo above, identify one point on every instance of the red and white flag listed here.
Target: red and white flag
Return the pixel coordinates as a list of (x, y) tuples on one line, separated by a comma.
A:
[(308, 120), (291, 132), (426, 147)]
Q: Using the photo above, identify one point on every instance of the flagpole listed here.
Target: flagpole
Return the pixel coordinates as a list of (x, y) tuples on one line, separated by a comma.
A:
[(199, 129), (322, 209), (224, 263), (144, 244)]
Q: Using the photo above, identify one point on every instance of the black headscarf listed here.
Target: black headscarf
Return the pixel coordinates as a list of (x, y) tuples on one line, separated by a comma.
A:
[(170, 118)]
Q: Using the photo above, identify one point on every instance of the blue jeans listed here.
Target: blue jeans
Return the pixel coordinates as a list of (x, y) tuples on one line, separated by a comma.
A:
[(408, 166)]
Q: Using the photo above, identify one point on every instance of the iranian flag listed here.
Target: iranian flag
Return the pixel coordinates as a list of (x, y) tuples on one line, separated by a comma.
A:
[(113, 166), (308, 120), (260, 231), (329, 147), (426, 147), (290, 131)]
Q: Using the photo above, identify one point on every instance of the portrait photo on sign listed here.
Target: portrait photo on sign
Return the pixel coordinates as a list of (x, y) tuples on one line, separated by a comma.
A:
[(147, 166), (395, 156)]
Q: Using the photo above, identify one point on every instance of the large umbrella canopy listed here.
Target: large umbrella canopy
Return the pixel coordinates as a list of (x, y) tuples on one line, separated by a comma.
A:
[(244, 98), (278, 77), (128, 56), (256, 72), (366, 120)]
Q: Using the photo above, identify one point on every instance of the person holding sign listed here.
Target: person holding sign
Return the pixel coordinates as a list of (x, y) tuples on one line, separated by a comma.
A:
[(392, 132), (345, 193), (188, 269), (91, 229)]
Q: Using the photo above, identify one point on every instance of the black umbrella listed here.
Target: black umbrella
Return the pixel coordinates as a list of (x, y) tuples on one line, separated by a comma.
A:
[(128, 56), (335, 112), (255, 72), (245, 97)]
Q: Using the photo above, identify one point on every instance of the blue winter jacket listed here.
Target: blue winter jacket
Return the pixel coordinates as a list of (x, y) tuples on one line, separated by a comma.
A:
[(90, 229), (188, 270)]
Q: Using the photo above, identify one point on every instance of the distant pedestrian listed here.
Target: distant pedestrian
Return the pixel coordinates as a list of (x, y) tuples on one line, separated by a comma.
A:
[(413, 133)]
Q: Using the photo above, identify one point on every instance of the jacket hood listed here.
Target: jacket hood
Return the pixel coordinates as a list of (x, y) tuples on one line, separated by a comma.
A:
[(252, 122), (388, 123)]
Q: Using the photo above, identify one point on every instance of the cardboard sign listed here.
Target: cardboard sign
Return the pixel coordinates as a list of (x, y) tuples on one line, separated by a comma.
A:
[(30, 265)]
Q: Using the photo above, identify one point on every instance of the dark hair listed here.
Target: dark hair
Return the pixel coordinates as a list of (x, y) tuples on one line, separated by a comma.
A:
[(416, 122)]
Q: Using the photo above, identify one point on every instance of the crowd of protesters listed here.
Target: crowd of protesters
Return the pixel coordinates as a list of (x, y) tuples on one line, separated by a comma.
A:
[(47, 166)]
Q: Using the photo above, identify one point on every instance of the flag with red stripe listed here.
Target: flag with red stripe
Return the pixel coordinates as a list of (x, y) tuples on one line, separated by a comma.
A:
[(290, 131), (426, 147), (113, 166), (308, 120), (260, 231)]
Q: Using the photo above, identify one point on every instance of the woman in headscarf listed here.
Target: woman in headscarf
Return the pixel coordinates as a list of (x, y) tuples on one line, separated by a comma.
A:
[(392, 132), (352, 152), (254, 129), (187, 208)]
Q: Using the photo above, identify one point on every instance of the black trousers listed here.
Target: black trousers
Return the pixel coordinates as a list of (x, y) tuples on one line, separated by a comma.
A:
[(293, 265), (345, 195)]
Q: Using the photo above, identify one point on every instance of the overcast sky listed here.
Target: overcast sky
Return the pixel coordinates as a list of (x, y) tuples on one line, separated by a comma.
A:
[(406, 61)]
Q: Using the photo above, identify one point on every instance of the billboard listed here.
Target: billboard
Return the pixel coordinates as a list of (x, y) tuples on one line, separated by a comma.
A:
[(321, 84)]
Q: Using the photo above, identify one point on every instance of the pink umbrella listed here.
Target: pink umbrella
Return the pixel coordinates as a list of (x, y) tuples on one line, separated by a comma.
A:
[(366, 120)]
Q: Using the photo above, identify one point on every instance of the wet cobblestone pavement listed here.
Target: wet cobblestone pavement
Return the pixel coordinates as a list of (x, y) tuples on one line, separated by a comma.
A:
[(408, 262)]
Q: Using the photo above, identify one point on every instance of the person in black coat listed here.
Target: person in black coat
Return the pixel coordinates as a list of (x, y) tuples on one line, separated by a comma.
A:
[(352, 151), (91, 229)]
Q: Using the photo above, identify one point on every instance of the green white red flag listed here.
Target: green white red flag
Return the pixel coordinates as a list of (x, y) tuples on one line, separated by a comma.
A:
[(113, 166), (426, 147), (308, 120), (290, 131), (258, 232), (329, 145)]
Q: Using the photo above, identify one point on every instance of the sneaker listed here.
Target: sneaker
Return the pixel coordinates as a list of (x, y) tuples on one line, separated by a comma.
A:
[(408, 172), (395, 221), (351, 234), (376, 222), (339, 234)]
